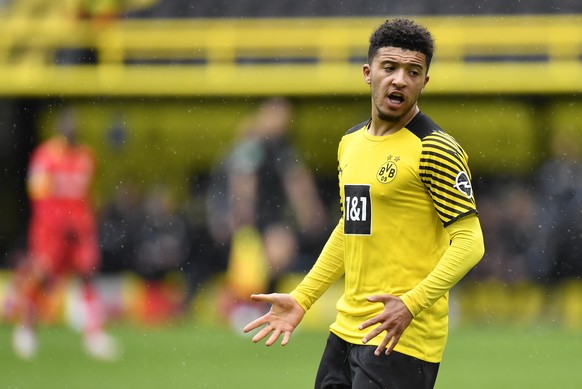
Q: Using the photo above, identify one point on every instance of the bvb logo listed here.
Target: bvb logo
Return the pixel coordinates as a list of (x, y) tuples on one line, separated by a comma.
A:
[(387, 172)]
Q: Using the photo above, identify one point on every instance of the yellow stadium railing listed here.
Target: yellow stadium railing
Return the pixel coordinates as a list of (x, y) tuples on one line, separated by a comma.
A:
[(312, 56)]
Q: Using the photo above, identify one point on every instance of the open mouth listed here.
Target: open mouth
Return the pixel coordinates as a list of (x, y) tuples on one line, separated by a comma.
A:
[(396, 98)]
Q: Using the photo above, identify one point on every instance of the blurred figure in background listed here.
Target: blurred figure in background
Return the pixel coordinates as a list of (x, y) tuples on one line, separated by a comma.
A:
[(208, 252), (119, 220), (559, 189), (516, 238), (62, 239), (162, 248), (268, 202)]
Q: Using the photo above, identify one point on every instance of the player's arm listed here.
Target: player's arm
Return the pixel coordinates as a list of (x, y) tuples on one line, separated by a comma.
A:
[(464, 252), (328, 268), (38, 181), (445, 171)]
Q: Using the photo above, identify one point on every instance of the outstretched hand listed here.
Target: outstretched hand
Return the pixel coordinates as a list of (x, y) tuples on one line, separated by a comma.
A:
[(394, 320), (283, 317)]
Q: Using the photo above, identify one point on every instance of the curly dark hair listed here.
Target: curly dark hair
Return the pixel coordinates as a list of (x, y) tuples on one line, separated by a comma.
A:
[(402, 33)]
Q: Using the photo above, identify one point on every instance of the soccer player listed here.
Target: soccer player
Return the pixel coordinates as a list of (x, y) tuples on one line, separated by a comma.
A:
[(62, 239), (409, 231)]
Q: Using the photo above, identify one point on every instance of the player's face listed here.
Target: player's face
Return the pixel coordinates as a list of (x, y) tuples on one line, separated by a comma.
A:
[(396, 78)]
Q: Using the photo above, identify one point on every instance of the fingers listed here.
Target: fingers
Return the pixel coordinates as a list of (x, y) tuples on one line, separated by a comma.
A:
[(381, 298), (266, 298), (275, 334), (374, 299), (387, 344), (376, 331), (375, 319), (395, 340), (286, 338), (372, 334), (390, 340), (263, 333), (382, 346), (273, 338), (367, 323), (393, 320), (255, 324)]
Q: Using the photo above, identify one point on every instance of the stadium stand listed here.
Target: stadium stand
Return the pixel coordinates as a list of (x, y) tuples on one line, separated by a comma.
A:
[(366, 8), (218, 57)]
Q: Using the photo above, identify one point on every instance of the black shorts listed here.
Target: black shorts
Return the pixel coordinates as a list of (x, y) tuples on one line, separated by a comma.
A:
[(346, 365)]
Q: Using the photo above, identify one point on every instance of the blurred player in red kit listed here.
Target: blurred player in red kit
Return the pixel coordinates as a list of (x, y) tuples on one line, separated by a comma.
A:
[(62, 238)]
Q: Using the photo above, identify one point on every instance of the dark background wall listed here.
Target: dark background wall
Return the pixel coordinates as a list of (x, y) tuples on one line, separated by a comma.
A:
[(323, 8)]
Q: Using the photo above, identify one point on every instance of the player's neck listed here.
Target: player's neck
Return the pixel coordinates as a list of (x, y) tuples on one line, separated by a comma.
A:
[(382, 126)]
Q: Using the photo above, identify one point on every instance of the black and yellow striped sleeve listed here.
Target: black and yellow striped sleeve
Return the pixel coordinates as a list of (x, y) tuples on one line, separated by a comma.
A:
[(444, 170)]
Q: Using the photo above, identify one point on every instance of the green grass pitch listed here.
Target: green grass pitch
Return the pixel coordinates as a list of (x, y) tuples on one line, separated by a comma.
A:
[(190, 356)]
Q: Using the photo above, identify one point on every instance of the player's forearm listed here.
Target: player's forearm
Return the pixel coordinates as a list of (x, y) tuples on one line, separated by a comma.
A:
[(328, 268), (465, 251)]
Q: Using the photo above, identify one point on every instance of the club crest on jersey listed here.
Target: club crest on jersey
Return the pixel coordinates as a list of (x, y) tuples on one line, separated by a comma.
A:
[(387, 172), (463, 184)]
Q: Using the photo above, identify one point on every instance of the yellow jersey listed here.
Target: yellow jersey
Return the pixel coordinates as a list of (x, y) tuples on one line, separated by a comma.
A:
[(398, 193)]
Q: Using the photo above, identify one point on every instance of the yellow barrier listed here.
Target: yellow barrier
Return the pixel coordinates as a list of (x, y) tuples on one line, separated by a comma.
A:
[(313, 56)]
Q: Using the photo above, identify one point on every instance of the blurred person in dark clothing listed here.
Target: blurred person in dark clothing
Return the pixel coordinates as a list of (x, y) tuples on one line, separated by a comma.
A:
[(208, 251), (119, 221), (559, 187), (518, 233), (268, 202), (161, 249)]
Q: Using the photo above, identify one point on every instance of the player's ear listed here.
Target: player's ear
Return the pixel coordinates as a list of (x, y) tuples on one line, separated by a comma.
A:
[(425, 82), (366, 71)]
